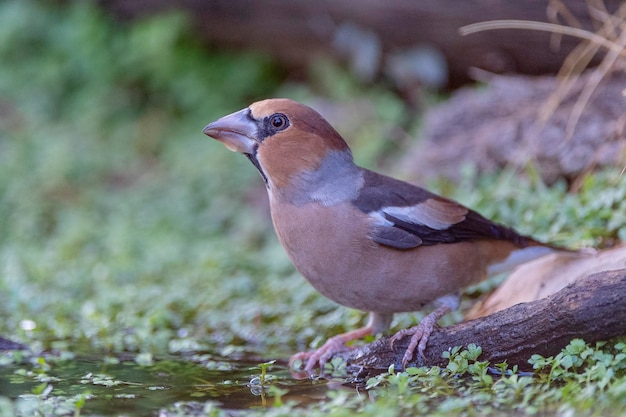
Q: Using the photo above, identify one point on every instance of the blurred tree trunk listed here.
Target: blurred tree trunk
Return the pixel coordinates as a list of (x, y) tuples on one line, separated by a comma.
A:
[(298, 31)]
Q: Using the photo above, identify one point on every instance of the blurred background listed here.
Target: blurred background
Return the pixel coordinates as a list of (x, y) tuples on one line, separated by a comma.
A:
[(123, 228)]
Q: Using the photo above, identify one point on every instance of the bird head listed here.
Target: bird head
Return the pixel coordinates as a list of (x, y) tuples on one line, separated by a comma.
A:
[(284, 139)]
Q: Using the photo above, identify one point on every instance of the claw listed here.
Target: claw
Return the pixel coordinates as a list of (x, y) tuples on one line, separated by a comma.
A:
[(419, 335)]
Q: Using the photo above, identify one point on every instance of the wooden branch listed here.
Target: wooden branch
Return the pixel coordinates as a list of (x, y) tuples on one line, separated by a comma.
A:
[(592, 308)]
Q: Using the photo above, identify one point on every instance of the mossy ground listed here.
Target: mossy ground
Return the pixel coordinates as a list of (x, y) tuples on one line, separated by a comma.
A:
[(123, 230)]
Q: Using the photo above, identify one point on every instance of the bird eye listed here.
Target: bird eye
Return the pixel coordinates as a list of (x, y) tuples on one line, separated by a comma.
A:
[(279, 121)]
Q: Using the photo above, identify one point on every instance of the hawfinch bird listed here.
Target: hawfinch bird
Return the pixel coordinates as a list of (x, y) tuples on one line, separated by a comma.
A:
[(365, 240)]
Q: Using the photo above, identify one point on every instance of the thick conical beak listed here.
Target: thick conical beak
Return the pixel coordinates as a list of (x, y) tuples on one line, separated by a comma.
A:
[(236, 131)]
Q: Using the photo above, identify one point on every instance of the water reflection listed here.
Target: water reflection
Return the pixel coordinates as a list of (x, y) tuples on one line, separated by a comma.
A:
[(113, 387)]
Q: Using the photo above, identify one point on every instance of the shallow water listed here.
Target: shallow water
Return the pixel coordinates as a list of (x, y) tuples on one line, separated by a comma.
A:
[(132, 389)]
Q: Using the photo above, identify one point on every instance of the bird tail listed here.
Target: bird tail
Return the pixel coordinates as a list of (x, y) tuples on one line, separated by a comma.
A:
[(530, 249)]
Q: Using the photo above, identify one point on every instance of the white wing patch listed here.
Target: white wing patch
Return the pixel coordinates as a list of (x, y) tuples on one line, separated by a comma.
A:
[(436, 214)]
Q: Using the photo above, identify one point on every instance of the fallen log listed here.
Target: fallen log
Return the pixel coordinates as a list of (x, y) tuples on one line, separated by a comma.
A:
[(298, 32), (592, 308), (546, 276)]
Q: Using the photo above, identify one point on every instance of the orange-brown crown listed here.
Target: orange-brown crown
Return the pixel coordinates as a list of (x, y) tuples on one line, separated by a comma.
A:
[(301, 146)]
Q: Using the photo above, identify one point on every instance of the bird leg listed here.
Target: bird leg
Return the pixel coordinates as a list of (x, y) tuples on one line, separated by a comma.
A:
[(419, 334), (378, 322)]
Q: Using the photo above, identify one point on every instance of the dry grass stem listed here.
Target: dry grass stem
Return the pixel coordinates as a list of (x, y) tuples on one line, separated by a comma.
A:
[(610, 34)]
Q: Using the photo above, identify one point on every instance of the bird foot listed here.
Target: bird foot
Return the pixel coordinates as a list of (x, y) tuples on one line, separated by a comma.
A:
[(419, 336), (335, 344), (319, 357)]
